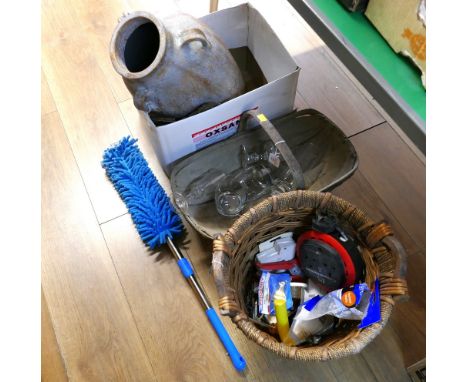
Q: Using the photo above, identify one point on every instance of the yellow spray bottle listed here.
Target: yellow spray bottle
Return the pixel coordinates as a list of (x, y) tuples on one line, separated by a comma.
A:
[(281, 312)]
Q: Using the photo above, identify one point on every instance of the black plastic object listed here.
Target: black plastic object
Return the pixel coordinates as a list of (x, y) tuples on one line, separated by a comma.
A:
[(324, 223), (319, 249), (322, 263), (329, 224)]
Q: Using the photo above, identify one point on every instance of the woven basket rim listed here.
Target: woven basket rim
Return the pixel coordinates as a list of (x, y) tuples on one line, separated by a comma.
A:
[(292, 202)]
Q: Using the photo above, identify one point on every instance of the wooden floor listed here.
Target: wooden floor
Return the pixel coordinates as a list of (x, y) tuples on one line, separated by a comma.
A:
[(114, 312)]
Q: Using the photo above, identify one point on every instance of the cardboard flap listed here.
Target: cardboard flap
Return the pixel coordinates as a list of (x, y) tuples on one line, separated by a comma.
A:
[(267, 48), (245, 26), (230, 24)]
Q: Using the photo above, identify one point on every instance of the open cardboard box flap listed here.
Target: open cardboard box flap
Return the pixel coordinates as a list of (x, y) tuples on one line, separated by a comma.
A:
[(245, 26)]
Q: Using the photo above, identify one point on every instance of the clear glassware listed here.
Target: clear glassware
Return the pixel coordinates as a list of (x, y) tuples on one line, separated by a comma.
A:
[(180, 201), (269, 154), (230, 201), (257, 180), (283, 182), (241, 187), (262, 173), (200, 190)]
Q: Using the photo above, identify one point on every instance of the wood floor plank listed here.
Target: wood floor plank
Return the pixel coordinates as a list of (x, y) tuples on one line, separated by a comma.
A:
[(352, 368), (139, 129), (321, 82), (377, 106), (98, 19), (52, 367), (385, 357), (409, 319), (58, 22), (406, 342), (397, 175), (194, 8), (95, 329), (358, 191), (159, 8), (174, 328), (300, 103), (403, 341), (87, 107), (47, 101)]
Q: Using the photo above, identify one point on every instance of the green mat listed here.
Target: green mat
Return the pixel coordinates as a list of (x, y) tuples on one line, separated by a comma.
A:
[(396, 69)]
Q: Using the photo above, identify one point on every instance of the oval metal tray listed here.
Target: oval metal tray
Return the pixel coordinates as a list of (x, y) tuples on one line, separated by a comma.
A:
[(326, 156)]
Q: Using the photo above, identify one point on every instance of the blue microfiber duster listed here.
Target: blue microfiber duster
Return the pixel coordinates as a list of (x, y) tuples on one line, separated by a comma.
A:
[(156, 219), (150, 208)]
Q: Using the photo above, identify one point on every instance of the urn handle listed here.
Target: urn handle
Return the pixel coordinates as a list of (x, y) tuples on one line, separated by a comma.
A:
[(194, 34)]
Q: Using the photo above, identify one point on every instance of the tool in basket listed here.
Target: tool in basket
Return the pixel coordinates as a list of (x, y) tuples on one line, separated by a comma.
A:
[(278, 254), (328, 255), (156, 220)]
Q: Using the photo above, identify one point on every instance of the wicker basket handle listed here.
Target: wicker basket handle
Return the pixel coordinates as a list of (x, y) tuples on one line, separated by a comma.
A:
[(398, 283), (278, 141), (220, 262)]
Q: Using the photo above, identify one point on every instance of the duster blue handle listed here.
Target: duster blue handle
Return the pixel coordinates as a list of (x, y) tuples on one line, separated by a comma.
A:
[(144, 194), (237, 359), (185, 267)]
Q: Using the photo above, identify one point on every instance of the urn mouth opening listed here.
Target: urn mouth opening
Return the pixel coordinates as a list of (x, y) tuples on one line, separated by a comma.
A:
[(137, 45)]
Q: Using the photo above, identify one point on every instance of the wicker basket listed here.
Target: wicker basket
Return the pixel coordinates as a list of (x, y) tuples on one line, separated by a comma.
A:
[(233, 255)]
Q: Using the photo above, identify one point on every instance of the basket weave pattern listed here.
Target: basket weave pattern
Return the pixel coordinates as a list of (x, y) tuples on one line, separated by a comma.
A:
[(233, 255)]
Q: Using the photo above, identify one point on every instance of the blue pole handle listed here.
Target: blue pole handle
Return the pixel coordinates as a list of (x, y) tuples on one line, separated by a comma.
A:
[(185, 267), (237, 359)]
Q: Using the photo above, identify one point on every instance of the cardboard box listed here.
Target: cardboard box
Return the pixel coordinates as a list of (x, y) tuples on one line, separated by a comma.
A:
[(403, 24), (239, 26)]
